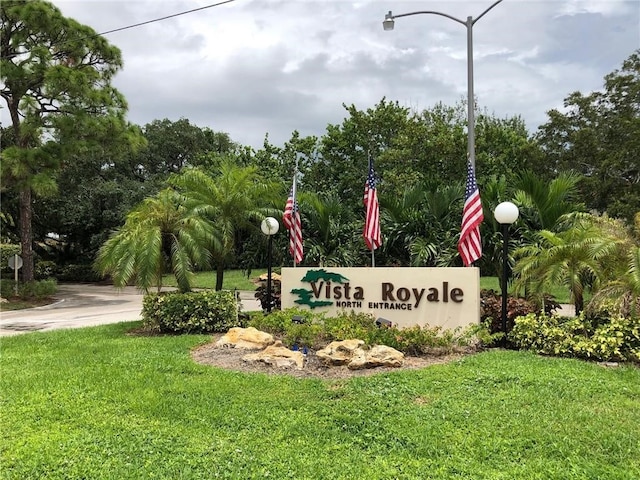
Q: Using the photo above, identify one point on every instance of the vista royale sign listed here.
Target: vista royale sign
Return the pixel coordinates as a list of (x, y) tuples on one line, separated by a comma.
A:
[(445, 297)]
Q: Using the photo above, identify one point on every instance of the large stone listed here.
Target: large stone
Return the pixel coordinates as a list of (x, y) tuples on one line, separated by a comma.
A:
[(339, 353), (248, 338), (376, 356), (277, 355)]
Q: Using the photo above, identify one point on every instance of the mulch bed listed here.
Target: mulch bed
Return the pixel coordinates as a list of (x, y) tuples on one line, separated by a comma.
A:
[(231, 359)]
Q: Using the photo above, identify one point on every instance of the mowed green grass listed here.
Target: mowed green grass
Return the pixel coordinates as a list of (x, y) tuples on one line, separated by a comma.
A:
[(98, 403), (233, 280), (560, 293)]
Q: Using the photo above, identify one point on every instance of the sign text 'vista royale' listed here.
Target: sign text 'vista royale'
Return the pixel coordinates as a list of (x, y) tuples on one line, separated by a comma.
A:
[(445, 297)]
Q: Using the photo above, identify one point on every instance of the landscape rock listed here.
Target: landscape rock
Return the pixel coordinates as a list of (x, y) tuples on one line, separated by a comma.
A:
[(351, 354), (278, 356), (339, 353), (247, 338), (376, 356)]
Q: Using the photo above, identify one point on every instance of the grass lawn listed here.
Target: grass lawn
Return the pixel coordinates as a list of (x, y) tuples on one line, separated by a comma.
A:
[(97, 403), (233, 280), (560, 293)]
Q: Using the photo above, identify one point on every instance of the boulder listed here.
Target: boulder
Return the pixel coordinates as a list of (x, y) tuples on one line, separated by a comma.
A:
[(248, 338), (278, 356), (339, 353), (351, 354), (376, 356)]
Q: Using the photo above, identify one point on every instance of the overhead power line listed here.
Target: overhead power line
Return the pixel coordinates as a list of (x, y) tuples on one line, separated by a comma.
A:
[(15, 54), (167, 17)]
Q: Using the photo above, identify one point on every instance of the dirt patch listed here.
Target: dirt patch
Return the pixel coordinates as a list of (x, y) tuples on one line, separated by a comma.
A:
[(231, 359), (17, 303)]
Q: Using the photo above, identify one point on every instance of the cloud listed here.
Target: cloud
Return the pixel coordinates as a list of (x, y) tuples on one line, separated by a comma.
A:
[(253, 67)]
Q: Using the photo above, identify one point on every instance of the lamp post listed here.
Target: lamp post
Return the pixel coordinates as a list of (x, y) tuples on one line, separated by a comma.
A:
[(388, 24), (269, 227), (505, 214)]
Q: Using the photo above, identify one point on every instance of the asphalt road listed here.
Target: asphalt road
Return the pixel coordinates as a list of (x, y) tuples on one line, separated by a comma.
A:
[(81, 305)]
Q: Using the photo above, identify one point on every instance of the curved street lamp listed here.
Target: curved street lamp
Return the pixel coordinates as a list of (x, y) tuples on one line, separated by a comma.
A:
[(505, 214), (388, 24), (269, 227)]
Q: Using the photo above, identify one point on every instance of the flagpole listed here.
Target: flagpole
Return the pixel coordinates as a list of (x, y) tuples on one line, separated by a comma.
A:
[(294, 188), (373, 250)]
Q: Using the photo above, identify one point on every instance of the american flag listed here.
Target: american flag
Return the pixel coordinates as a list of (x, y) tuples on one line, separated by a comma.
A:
[(470, 244), (291, 220), (371, 232)]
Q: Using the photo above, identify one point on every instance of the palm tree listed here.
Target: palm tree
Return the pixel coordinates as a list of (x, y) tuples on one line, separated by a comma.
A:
[(403, 223), (332, 233), (234, 201), (594, 252), (572, 257), (422, 226), (158, 236), (543, 206), (543, 203), (621, 266)]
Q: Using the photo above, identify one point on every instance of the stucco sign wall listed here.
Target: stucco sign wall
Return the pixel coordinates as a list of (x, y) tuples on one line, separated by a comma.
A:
[(446, 297)]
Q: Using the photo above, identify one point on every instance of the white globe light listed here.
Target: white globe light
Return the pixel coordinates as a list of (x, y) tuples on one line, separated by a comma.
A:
[(269, 226), (506, 212)]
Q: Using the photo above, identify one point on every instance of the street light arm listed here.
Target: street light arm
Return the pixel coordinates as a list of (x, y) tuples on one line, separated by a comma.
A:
[(483, 13), (424, 12), (432, 12)]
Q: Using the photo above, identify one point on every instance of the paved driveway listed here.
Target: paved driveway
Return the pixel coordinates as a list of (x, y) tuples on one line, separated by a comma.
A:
[(80, 305)]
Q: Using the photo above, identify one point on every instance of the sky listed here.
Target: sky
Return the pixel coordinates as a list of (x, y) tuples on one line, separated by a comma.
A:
[(256, 67)]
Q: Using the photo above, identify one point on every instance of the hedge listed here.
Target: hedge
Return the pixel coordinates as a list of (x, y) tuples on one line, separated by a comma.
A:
[(617, 339), (193, 312)]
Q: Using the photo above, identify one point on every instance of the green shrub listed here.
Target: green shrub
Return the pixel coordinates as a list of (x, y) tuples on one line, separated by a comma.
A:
[(305, 335), (618, 339), (77, 273), (194, 312), (315, 330), (276, 295), (491, 309), (278, 321), (8, 250), (417, 340), (307, 330), (347, 325), (35, 290), (45, 269)]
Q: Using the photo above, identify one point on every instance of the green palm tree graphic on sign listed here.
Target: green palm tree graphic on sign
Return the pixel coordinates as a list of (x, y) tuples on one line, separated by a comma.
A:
[(305, 296)]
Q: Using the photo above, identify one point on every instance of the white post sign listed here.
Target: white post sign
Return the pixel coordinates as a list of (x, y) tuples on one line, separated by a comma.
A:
[(445, 297), (15, 263)]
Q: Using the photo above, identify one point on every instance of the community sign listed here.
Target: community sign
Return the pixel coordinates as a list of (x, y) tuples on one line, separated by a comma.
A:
[(445, 297)]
